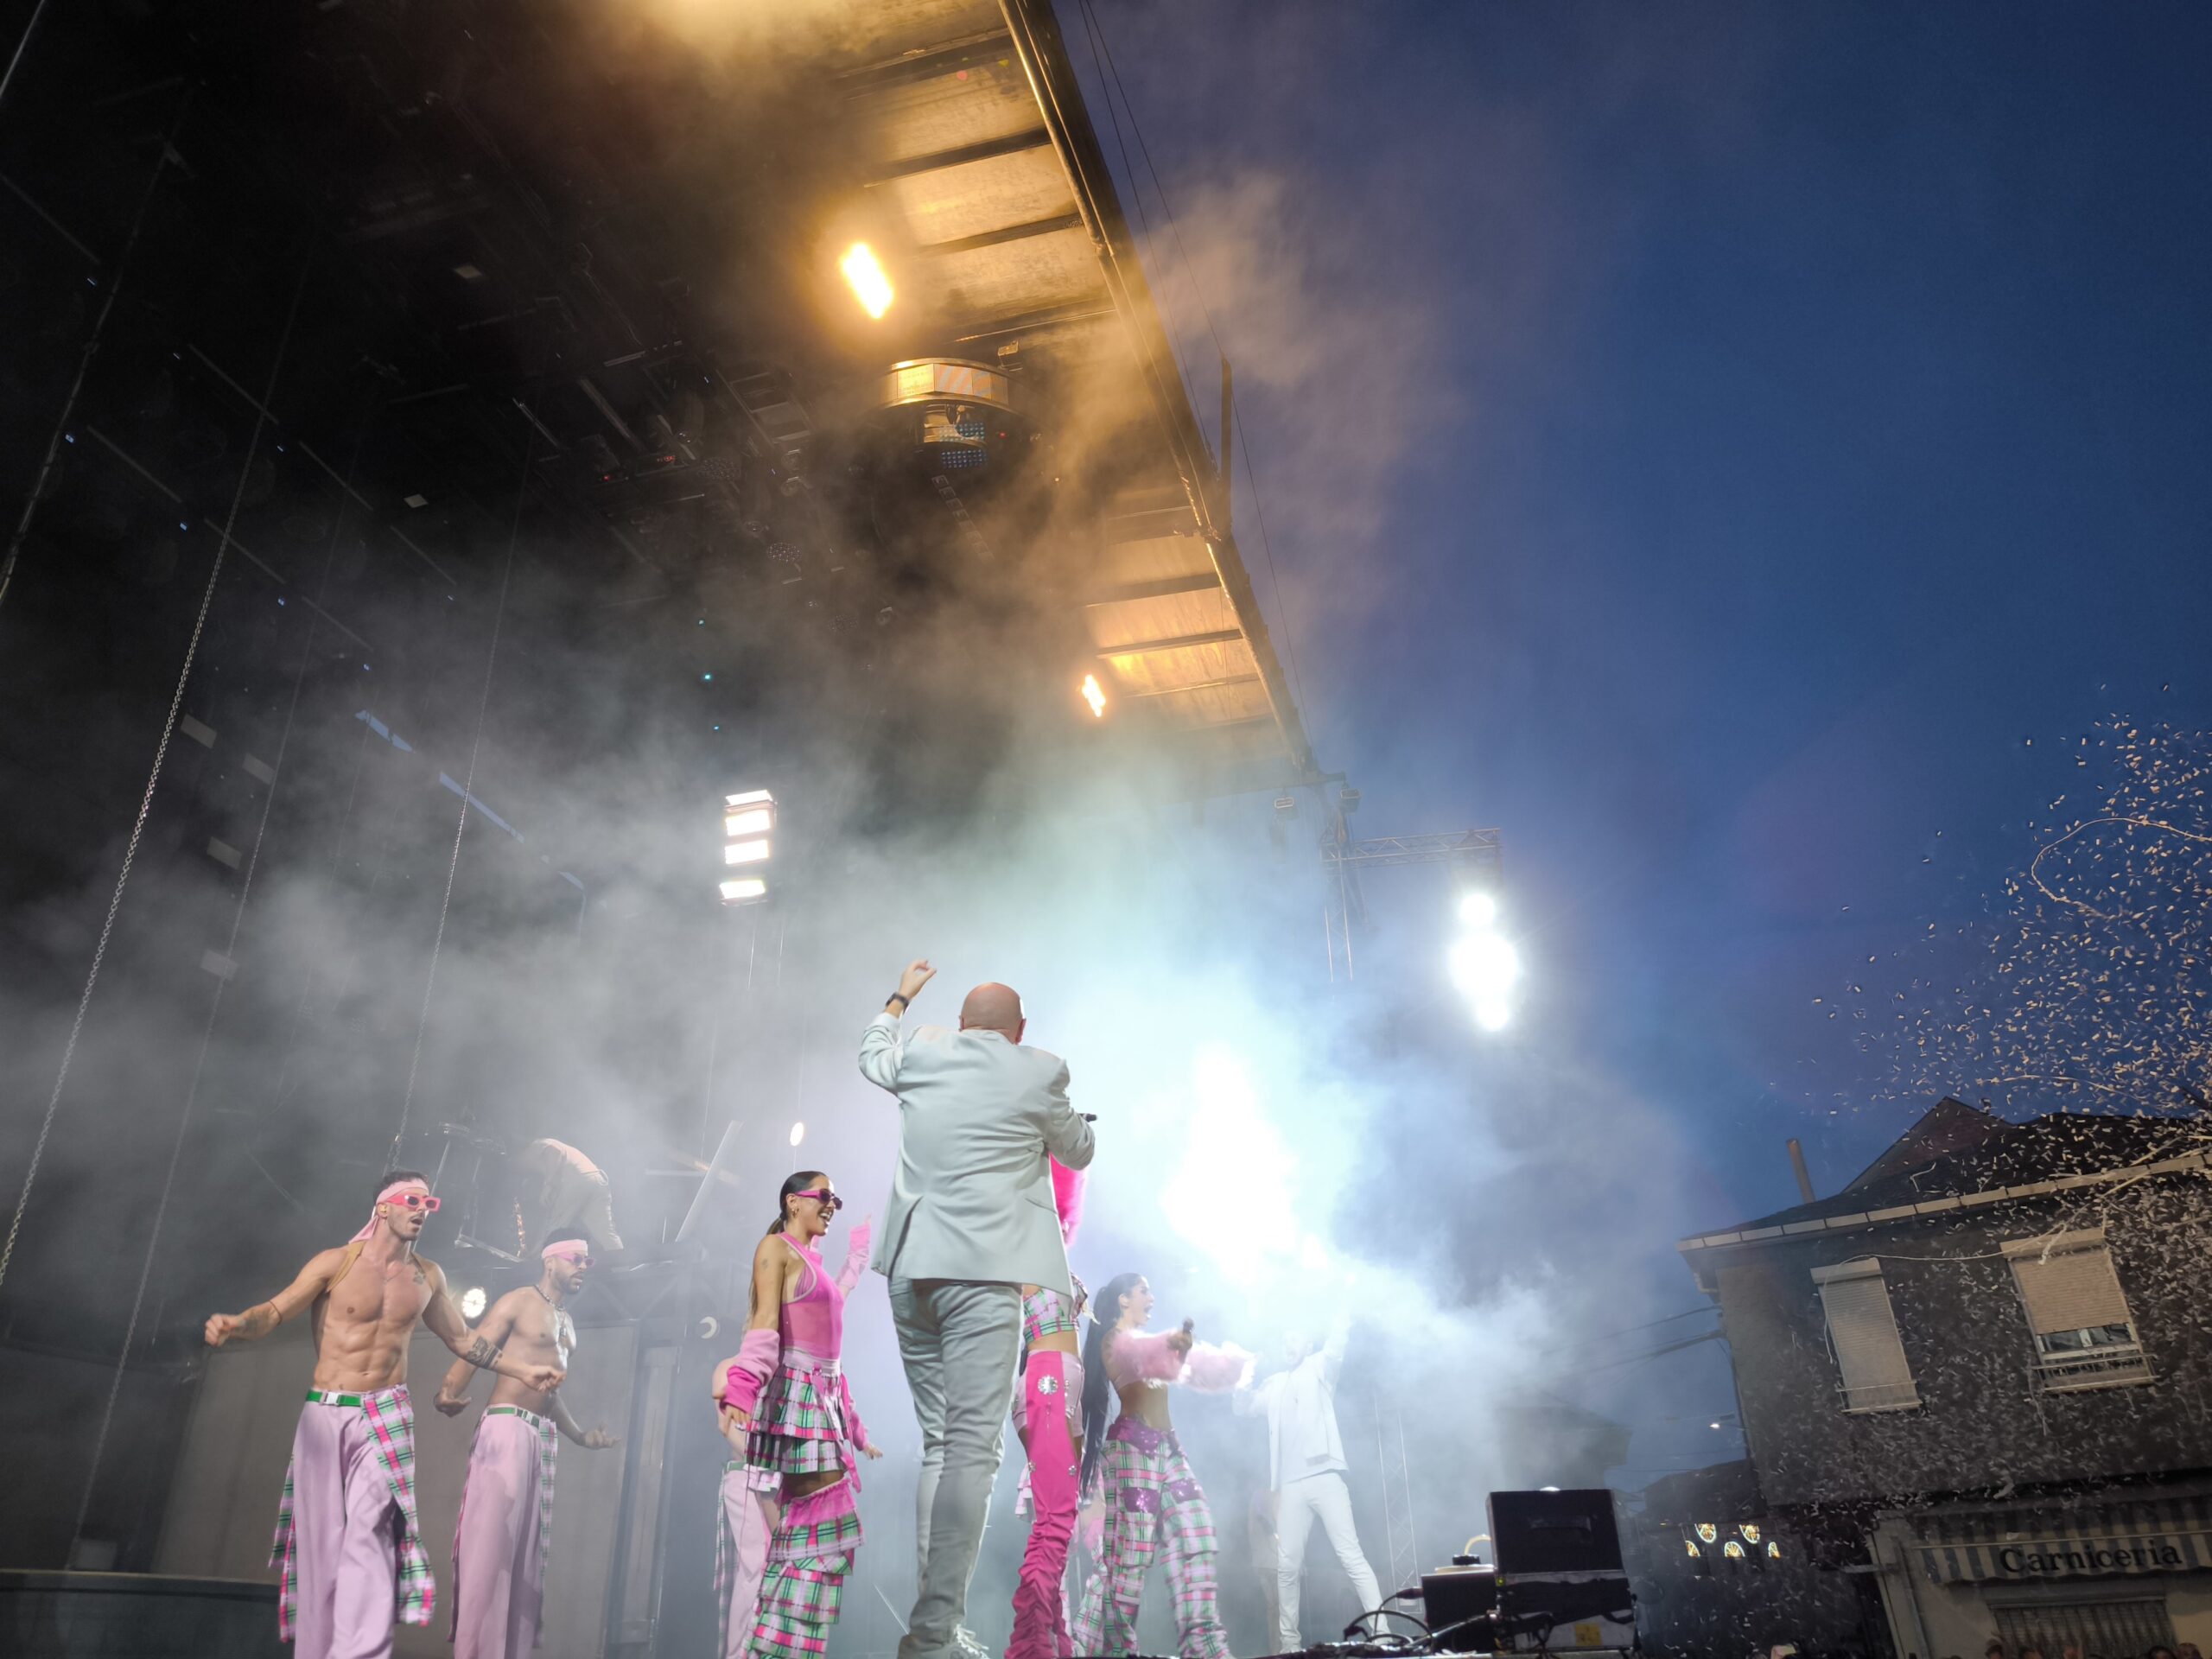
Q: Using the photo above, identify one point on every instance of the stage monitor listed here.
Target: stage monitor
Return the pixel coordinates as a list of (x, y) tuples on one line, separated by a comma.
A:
[(1554, 1532)]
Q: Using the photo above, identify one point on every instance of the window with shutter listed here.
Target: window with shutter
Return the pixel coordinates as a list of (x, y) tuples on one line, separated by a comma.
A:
[(1863, 1332), (2085, 1337)]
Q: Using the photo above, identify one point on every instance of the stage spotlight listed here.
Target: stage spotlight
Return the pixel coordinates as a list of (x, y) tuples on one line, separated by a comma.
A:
[(473, 1302), (798, 1132), (1095, 697), (1484, 965), (748, 815), (870, 286)]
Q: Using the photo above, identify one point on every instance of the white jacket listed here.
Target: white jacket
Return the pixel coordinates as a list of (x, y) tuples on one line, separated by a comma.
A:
[(1300, 1407), (972, 1197)]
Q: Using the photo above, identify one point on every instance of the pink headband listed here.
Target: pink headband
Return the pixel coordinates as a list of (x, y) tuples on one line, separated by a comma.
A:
[(567, 1247), (383, 1198)]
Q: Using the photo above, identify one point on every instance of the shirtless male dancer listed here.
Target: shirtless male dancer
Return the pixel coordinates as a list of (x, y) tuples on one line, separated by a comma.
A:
[(505, 1526), (348, 1540)]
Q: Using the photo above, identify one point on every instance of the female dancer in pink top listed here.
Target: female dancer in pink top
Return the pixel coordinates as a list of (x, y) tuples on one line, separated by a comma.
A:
[(785, 1392), (1149, 1489), (1048, 1415)]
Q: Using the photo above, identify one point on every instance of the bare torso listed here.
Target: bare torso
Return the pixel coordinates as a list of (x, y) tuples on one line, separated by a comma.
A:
[(542, 1335), (1146, 1400), (1059, 1342), (364, 1324)]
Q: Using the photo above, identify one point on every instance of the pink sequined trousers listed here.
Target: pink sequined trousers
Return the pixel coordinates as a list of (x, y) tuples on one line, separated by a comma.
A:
[(1052, 1392)]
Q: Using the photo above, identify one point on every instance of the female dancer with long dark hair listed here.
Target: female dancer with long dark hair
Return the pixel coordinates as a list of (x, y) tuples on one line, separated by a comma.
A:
[(1151, 1494), (784, 1394), (1047, 1414)]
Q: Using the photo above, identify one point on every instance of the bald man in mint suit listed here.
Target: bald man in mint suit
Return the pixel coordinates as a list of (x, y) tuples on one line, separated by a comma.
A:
[(971, 1221)]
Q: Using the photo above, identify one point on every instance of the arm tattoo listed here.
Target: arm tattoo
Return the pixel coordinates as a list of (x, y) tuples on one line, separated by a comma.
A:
[(482, 1355)]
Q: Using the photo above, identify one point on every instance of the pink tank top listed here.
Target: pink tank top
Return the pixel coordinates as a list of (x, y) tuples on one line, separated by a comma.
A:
[(814, 1325)]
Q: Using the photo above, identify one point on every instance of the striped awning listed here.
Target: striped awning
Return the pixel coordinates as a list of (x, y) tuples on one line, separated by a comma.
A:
[(2110, 1539)]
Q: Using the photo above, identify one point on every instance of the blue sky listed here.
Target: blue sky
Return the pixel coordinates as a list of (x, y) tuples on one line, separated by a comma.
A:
[(1736, 430), (1708, 444)]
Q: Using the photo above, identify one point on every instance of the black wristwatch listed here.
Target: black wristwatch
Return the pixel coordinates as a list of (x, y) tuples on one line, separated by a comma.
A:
[(901, 999)]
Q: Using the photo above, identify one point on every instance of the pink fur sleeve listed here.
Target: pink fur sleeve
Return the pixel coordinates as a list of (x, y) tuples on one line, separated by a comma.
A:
[(856, 1249), (1067, 1199), (1216, 1370), (1135, 1356), (753, 1363)]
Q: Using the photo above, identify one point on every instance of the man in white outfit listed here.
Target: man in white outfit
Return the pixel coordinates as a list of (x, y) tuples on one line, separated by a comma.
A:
[(971, 1221), (1306, 1468)]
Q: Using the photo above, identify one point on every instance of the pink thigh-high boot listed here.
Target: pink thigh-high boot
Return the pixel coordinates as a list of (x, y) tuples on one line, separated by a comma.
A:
[(1049, 1384)]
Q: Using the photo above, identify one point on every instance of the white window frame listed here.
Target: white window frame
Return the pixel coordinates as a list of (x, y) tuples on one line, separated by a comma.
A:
[(2104, 1364), (1865, 1398)]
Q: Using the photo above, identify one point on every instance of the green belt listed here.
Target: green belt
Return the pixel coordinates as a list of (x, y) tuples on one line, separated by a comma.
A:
[(322, 1397), (529, 1417)]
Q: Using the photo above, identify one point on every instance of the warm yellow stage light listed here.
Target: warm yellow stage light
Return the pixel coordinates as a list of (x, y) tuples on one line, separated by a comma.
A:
[(753, 821), (744, 891), (870, 286), (1093, 695), (744, 852)]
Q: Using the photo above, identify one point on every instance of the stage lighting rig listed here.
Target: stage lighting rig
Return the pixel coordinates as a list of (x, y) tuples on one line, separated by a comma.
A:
[(749, 844), (1489, 963), (948, 418)]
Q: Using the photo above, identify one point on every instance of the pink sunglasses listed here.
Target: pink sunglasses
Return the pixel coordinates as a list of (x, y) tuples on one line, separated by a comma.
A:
[(823, 1196), (422, 1201)]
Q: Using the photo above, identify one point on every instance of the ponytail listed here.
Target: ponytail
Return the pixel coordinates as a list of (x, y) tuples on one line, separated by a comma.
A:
[(1097, 1392)]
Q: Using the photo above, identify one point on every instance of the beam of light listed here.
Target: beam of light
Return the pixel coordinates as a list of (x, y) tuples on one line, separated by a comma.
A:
[(746, 852), (753, 821), (798, 1132), (744, 890), (473, 1302), (1093, 696), (1232, 1197), (870, 286), (1479, 910)]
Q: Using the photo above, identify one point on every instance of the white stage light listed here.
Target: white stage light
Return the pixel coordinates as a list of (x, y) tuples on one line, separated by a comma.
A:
[(1483, 964), (870, 286), (1093, 696), (798, 1132), (473, 1302), (748, 815), (1484, 967)]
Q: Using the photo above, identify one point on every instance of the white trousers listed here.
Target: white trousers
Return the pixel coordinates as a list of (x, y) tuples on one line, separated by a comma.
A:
[(1297, 1506)]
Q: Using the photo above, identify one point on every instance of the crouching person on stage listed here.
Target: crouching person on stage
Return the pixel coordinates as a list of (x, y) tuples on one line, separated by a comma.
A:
[(348, 1541), (800, 1479), (506, 1527)]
